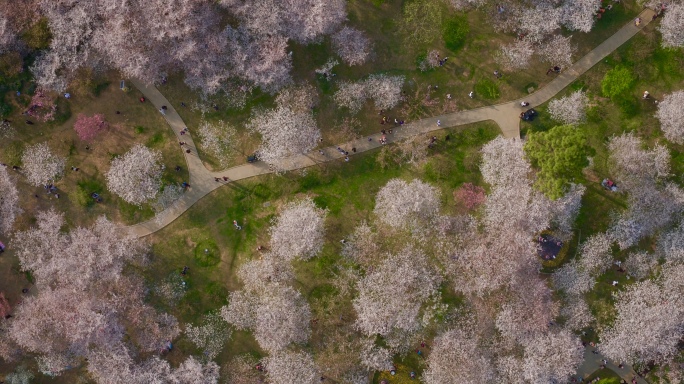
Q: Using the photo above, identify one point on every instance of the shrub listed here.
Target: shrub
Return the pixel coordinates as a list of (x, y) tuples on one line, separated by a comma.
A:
[(617, 82), (454, 31), (487, 88)]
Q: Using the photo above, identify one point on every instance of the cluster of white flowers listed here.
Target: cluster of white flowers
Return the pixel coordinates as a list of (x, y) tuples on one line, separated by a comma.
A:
[(136, 175), (558, 50), (391, 296), (399, 204), (671, 115), (515, 56), (298, 232), (42, 167), (569, 109), (210, 336), (6, 130), (351, 45), (9, 202), (384, 90), (292, 368), (672, 25)]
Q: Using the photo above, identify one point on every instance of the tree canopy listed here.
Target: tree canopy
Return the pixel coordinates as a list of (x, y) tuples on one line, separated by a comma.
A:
[(559, 154), (616, 82)]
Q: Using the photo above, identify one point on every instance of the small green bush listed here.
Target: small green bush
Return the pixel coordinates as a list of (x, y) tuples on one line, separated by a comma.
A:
[(617, 82), (139, 129), (454, 31), (487, 89)]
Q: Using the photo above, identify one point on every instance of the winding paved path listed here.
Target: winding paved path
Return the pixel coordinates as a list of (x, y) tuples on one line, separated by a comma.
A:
[(506, 115)]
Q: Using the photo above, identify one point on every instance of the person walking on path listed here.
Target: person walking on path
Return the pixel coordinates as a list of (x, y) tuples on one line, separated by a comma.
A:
[(439, 123)]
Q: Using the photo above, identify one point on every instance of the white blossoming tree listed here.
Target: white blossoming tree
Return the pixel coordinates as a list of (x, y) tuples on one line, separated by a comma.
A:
[(210, 335), (278, 315), (457, 357), (351, 45), (391, 296), (569, 109), (558, 50), (136, 175), (671, 115), (515, 56), (292, 368), (384, 90), (672, 25), (284, 133), (42, 167), (650, 320), (298, 232), (9, 202), (399, 204)]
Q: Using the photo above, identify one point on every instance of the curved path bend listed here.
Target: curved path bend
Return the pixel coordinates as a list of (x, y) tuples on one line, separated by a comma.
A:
[(506, 115)]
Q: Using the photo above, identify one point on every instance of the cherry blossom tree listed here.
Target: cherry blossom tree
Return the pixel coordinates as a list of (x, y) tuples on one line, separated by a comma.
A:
[(362, 246), (351, 45), (218, 139), (578, 15), (557, 50), (291, 368), (671, 115), (470, 196), (596, 254), (351, 95), (392, 295), (640, 264), (286, 18), (384, 90), (528, 309), (75, 258), (84, 301), (572, 280), (210, 335), (399, 204), (298, 232), (515, 56), (634, 166), (9, 202), (301, 98), (278, 314), (649, 323), (136, 175), (672, 25), (569, 109), (376, 358), (566, 209), (42, 106), (431, 61), (576, 313), (284, 133), (41, 166), (456, 356), (552, 357), (89, 127)]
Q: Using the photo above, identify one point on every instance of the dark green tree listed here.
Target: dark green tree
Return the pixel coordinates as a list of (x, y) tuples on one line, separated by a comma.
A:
[(559, 155)]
